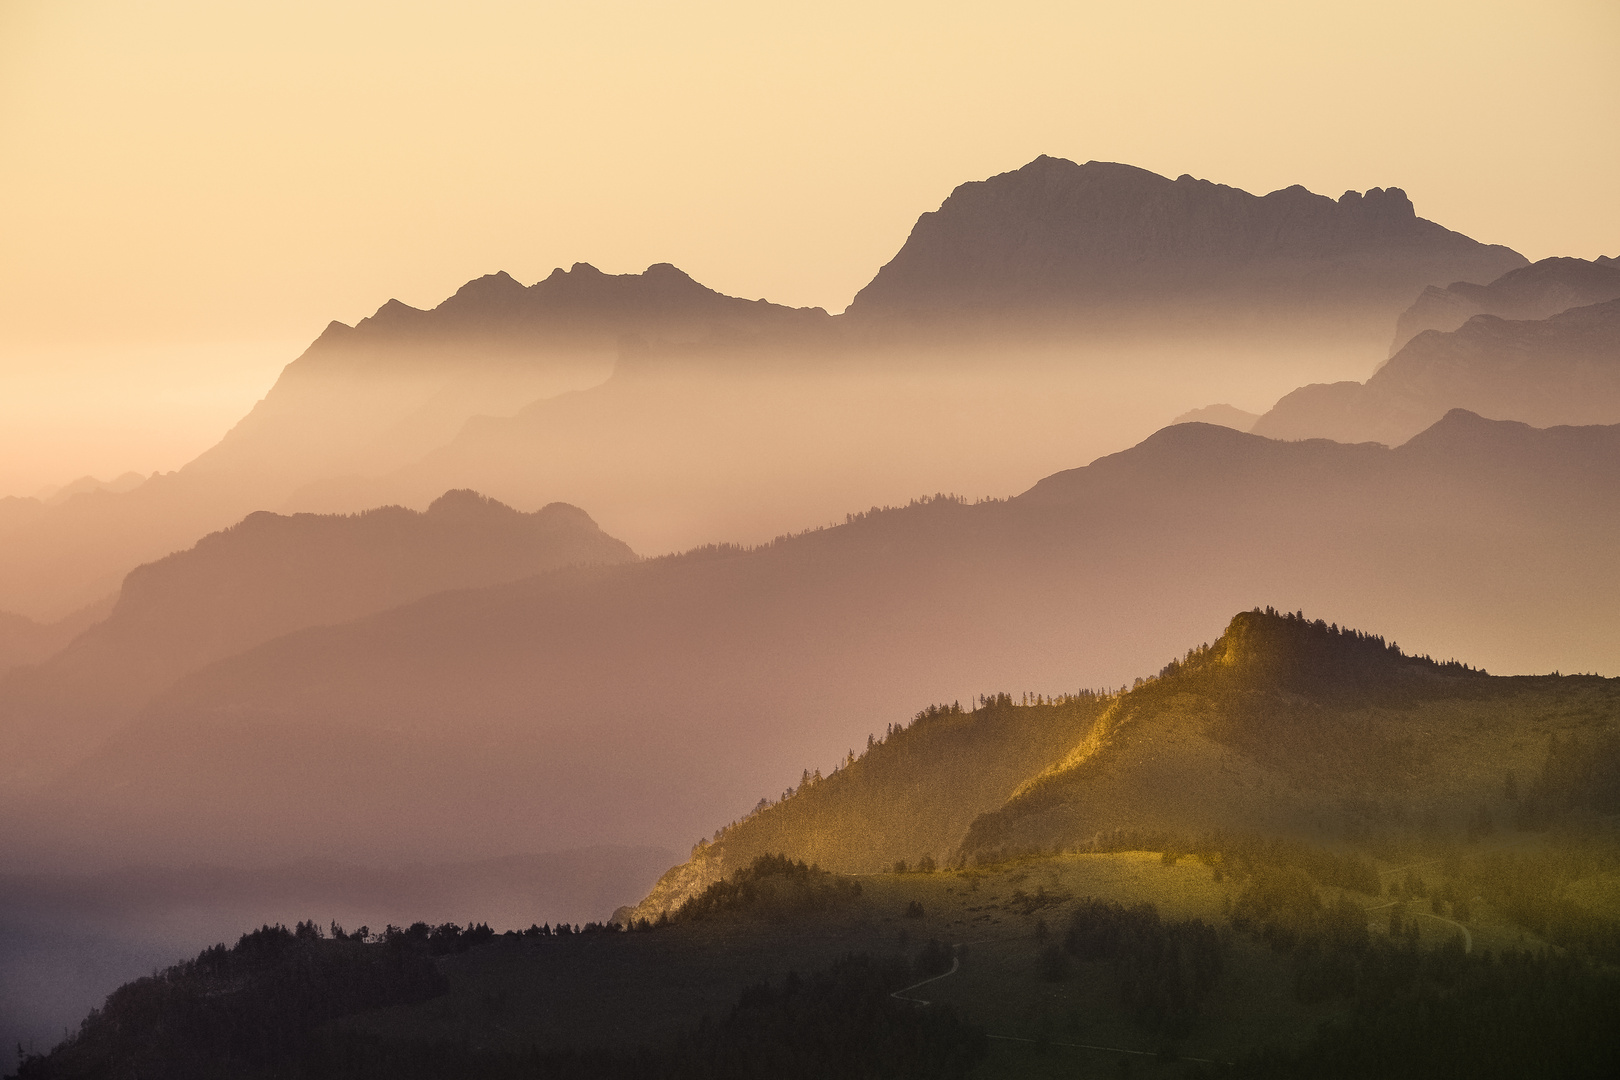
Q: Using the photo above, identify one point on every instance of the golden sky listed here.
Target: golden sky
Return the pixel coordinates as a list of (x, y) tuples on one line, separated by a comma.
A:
[(191, 189)]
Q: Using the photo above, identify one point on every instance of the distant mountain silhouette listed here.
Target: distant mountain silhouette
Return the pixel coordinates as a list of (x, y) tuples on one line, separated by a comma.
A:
[(646, 702), (1101, 293), (1224, 415), (24, 641), (1531, 292), (265, 577), (370, 398), (128, 481), (1060, 242), (383, 392), (1560, 370)]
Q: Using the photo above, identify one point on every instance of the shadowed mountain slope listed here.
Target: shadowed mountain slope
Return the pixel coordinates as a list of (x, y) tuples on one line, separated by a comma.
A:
[(1537, 291), (1059, 241), (1560, 370), (266, 576), (646, 702)]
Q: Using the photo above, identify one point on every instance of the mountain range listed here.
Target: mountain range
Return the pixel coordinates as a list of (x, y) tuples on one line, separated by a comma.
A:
[(735, 419), (1564, 369), (645, 700), (1537, 291), (1056, 241)]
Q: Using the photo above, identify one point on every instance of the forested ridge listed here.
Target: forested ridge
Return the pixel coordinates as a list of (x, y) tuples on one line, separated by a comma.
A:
[(268, 1007)]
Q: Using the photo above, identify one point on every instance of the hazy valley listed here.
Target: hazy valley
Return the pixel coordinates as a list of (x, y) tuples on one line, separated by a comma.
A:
[(488, 610)]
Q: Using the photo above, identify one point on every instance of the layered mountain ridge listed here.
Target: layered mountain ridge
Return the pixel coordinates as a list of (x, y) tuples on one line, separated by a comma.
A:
[(266, 576), (1564, 369), (599, 703), (1537, 291), (1225, 289)]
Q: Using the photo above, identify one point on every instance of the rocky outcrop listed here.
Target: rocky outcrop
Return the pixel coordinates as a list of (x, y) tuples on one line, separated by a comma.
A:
[(679, 884)]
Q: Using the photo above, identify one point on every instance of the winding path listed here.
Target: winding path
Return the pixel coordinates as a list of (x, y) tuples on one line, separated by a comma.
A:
[(900, 995), (1468, 939)]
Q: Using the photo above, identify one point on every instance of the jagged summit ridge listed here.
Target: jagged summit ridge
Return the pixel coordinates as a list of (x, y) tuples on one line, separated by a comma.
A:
[(1057, 233), (580, 298)]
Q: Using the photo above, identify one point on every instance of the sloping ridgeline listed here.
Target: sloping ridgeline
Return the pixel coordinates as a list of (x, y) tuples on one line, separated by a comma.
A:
[(1294, 727), (911, 795), (1284, 727)]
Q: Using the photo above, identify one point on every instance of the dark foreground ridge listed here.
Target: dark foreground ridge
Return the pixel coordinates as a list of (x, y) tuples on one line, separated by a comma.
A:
[(267, 1008)]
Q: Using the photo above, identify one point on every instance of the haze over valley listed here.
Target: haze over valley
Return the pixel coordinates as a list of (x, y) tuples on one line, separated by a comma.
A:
[(1085, 616)]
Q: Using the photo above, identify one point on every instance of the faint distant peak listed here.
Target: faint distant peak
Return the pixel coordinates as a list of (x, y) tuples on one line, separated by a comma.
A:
[(465, 503), (86, 485), (1223, 415)]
